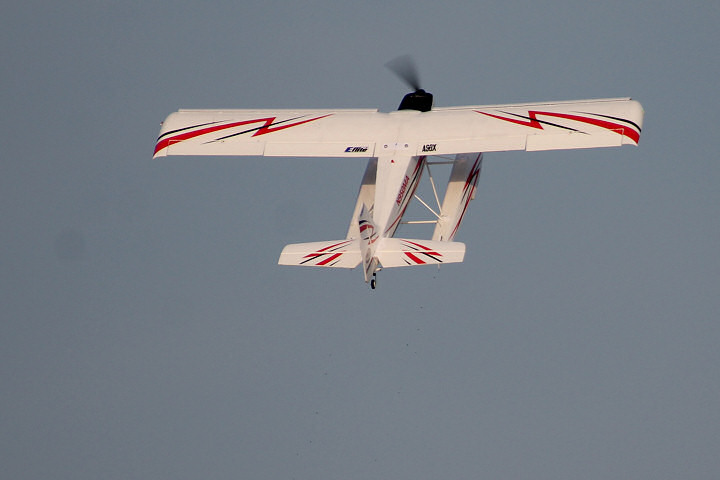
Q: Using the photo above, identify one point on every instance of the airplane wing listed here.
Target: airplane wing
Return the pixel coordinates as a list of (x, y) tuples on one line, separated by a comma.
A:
[(369, 133), (286, 133), (539, 126)]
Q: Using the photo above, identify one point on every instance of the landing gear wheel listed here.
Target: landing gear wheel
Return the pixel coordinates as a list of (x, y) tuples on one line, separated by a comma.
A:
[(373, 282)]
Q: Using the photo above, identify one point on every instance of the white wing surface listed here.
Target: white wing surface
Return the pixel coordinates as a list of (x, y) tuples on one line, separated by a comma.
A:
[(368, 133), (286, 133)]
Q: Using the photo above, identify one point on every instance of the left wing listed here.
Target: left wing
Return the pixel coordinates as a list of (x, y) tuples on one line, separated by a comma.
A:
[(288, 133)]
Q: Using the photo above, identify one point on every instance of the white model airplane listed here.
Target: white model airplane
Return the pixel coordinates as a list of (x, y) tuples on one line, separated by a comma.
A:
[(399, 145)]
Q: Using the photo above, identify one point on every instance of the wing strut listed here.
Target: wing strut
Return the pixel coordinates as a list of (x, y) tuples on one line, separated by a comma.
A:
[(432, 182), (426, 205), (435, 193)]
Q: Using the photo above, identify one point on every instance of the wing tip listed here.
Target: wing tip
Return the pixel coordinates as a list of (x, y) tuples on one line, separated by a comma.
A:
[(160, 149)]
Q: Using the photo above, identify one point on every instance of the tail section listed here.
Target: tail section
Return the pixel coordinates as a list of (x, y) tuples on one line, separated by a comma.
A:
[(368, 243), (389, 252), (402, 252)]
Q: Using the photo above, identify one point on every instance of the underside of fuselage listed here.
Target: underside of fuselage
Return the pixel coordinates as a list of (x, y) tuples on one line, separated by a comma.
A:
[(388, 186)]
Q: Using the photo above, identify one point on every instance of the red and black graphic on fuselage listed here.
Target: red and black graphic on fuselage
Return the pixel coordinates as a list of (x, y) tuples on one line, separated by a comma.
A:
[(269, 125), (407, 190), (401, 193), (630, 130), (367, 232), (328, 256)]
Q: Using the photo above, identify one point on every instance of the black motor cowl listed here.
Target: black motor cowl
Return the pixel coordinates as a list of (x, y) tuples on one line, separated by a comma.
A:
[(419, 100)]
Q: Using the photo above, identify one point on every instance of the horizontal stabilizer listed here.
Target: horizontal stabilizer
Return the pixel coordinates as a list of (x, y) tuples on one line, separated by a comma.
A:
[(391, 252), (401, 252), (332, 253)]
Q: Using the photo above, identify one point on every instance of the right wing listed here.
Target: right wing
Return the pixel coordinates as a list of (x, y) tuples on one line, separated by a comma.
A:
[(608, 122)]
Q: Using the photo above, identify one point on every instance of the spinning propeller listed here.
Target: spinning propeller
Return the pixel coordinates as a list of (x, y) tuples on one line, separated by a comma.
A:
[(419, 99)]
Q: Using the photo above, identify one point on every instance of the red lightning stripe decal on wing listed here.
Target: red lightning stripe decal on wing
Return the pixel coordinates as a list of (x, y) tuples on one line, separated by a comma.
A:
[(533, 122), (263, 130)]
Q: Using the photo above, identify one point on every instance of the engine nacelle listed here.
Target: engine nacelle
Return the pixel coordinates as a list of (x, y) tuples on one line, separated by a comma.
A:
[(418, 100)]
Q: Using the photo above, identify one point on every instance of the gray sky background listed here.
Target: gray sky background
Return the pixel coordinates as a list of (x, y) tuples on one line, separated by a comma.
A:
[(147, 331)]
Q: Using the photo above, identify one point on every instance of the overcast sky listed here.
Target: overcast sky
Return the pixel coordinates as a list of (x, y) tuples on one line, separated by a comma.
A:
[(147, 331)]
